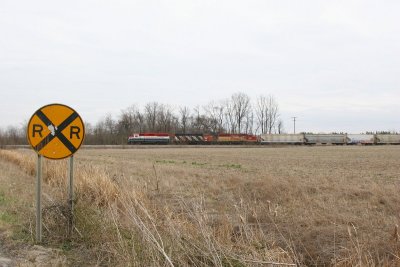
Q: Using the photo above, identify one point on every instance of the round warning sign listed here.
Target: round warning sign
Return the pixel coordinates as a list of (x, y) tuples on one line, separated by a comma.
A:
[(55, 131)]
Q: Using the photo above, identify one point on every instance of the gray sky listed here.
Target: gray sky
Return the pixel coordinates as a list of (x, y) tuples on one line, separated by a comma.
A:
[(333, 64)]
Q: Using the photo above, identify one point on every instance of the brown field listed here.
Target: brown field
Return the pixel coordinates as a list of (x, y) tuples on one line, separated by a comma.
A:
[(202, 206)]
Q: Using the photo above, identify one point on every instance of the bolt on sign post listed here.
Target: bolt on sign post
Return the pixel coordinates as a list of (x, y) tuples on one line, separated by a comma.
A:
[(54, 131)]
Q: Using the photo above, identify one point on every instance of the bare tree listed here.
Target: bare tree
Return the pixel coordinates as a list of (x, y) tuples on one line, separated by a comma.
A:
[(215, 114), (109, 124), (127, 120), (249, 122), (184, 113), (13, 135), (104, 131), (164, 118), (150, 114), (272, 114), (261, 110), (201, 122), (89, 134), (267, 113), (230, 120), (240, 105), (197, 119), (140, 118)]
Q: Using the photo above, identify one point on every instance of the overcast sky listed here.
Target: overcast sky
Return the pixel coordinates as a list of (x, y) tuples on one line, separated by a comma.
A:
[(333, 64)]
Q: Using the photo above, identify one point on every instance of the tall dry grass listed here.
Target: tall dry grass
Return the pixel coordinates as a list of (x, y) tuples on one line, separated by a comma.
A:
[(120, 223)]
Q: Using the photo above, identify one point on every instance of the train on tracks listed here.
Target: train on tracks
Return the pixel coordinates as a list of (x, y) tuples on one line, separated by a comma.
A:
[(264, 139)]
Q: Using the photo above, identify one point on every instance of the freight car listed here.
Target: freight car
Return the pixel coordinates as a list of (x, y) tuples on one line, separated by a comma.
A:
[(387, 139), (304, 139), (333, 139), (294, 139), (360, 139)]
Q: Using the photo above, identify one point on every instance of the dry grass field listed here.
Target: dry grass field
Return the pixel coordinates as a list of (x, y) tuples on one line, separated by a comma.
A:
[(224, 206)]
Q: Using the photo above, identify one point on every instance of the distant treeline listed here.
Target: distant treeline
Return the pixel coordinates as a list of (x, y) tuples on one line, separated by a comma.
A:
[(236, 114), (13, 135)]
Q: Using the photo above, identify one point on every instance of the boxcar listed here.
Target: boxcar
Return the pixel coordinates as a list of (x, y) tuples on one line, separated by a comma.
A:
[(334, 139), (282, 139)]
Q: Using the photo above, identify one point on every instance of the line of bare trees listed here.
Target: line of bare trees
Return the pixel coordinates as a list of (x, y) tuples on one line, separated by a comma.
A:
[(13, 135), (235, 114)]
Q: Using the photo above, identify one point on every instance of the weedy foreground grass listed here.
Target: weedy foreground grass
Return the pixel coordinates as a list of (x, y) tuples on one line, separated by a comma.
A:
[(316, 206), (121, 221)]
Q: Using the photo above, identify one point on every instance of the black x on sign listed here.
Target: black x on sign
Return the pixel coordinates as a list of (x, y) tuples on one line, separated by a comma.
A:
[(55, 131)]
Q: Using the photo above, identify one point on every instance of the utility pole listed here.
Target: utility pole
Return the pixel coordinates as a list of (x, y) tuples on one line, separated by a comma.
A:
[(294, 125)]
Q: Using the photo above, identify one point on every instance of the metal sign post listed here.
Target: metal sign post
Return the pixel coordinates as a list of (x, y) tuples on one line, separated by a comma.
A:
[(39, 199), (71, 195)]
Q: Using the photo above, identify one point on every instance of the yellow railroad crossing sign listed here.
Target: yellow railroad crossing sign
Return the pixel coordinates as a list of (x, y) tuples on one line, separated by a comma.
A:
[(55, 131)]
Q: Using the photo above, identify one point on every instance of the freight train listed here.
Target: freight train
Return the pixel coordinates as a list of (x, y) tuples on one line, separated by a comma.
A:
[(264, 139)]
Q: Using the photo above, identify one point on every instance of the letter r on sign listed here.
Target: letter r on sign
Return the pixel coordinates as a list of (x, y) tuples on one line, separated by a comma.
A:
[(37, 128), (74, 130)]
